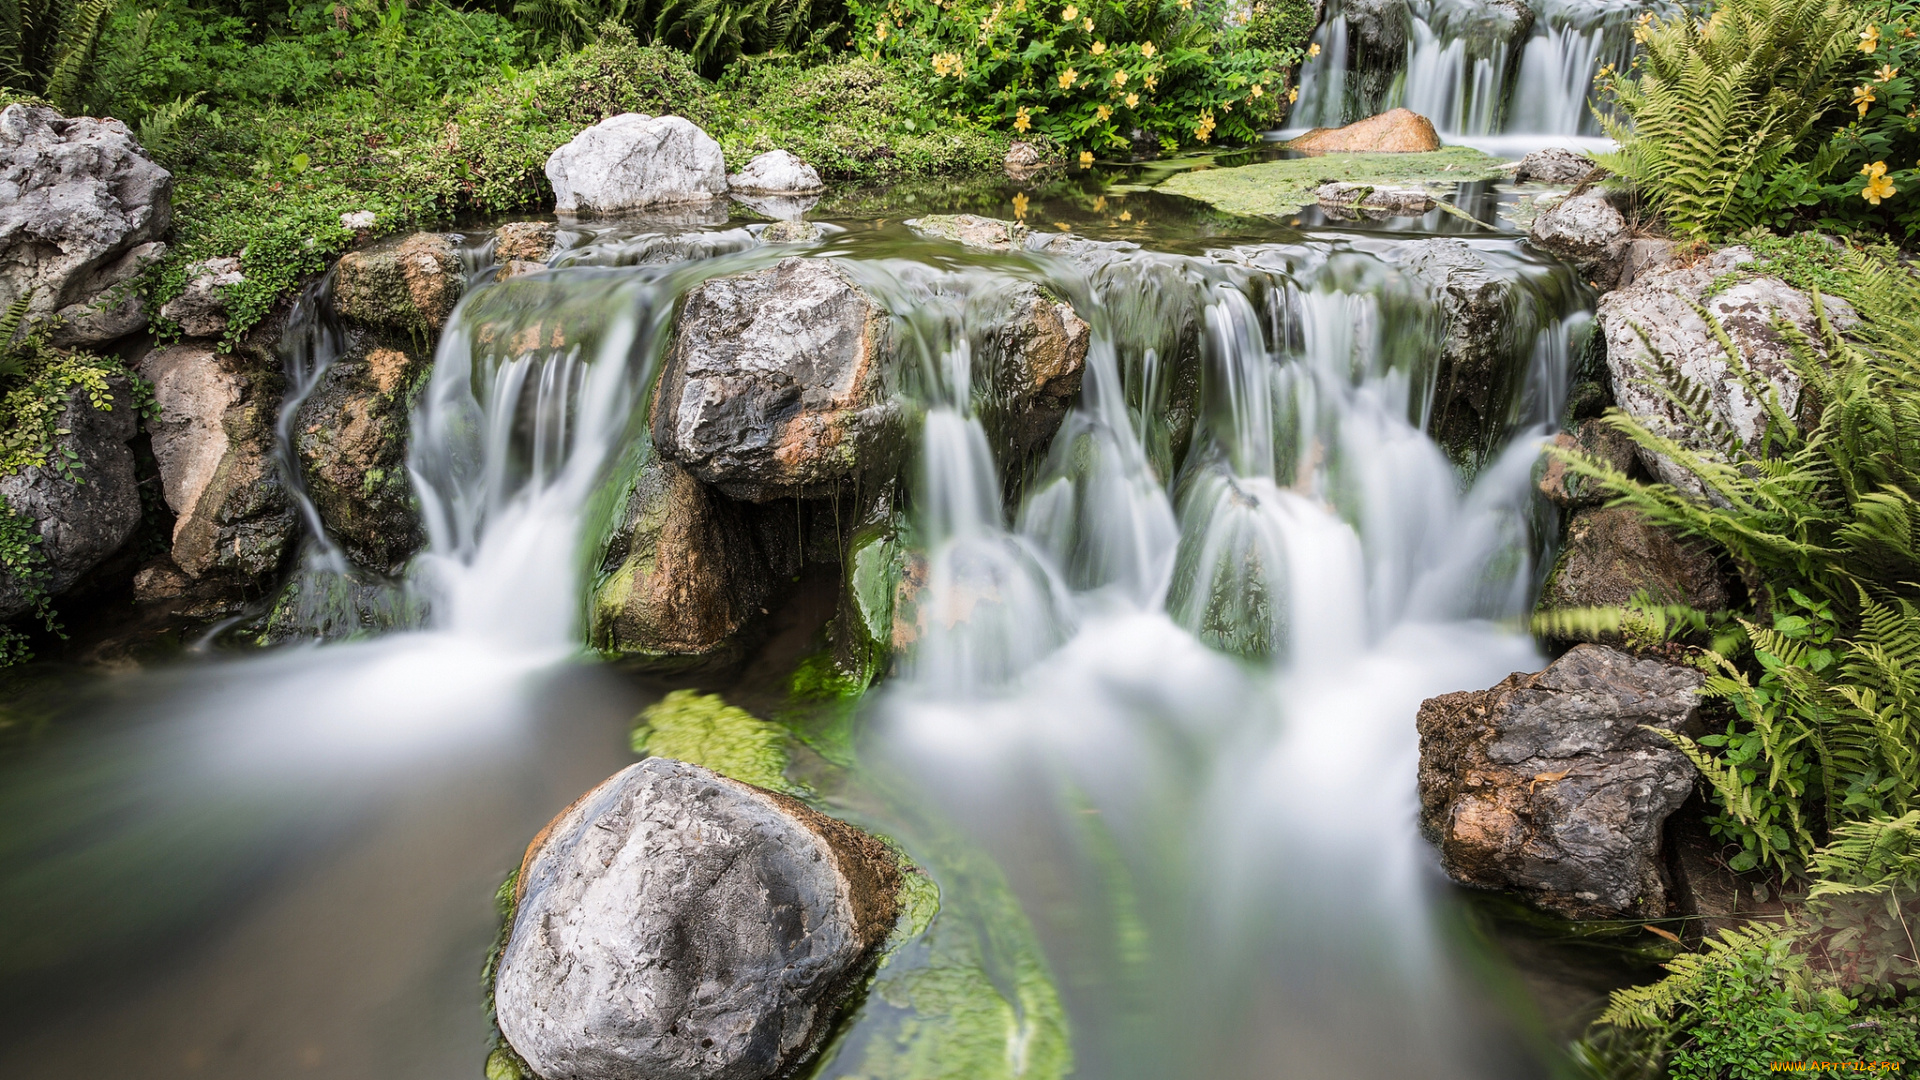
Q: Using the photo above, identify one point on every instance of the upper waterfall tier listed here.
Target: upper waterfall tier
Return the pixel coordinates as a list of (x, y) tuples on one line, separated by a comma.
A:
[(1474, 67)]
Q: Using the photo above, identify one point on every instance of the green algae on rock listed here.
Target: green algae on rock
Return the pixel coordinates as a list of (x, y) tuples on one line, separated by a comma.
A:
[(702, 729), (1280, 188)]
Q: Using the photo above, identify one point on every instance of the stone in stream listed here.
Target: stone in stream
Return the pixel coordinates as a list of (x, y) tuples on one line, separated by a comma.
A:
[(1037, 351), (82, 212), (1554, 165), (1587, 231), (351, 439), (673, 924), (1597, 441), (83, 504), (410, 284), (776, 172), (1344, 200), (1476, 306), (972, 230), (1396, 131), (1659, 308), (524, 241), (213, 442), (681, 574), (631, 161), (1548, 784)]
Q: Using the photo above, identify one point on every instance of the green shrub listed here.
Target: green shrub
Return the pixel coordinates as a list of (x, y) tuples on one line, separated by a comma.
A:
[(1086, 75), (714, 33), (47, 46), (1713, 125)]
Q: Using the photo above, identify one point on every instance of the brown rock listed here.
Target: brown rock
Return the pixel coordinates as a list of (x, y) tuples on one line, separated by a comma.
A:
[(1612, 553), (1038, 353), (532, 241), (1396, 131), (411, 285), (1549, 785), (351, 438), (1598, 441)]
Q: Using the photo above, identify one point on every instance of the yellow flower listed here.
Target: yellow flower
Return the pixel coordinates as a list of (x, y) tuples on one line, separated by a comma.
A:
[(1151, 80), (1203, 128), (1313, 49), (1086, 159), (1119, 78), (1021, 121), (1070, 14), (1099, 203), (1878, 186), (1067, 77), (1146, 49), (1869, 39), (1293, 94), (1258, 90), (1863, 98), (1020, 204), (1098, 48), (1186, 5), (1126, 215), (1103, 112), (1133, 101), (1063, 226), (880, 32), (1886, 73), (947, 64), (1088, 25)]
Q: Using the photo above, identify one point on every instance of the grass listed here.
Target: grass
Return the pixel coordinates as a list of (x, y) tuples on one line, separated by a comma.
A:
[(1281, 188)]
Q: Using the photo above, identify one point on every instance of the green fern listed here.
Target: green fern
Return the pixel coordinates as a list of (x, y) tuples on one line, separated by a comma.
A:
[(47, 47), (1651, 1006), (1723, 99)]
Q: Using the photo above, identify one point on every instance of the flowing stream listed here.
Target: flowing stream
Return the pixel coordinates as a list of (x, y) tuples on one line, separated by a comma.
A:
[(1153, 736)]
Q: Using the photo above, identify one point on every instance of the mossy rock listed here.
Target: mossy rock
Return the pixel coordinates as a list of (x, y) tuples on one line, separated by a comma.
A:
[(1282, 188)]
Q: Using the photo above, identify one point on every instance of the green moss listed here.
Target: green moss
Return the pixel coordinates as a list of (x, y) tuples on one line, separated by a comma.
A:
[(1281, 188), (702, 729)]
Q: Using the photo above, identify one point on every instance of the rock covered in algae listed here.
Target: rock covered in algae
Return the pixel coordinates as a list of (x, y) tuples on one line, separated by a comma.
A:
[(408, 285), (1550, 785), (1282, 188), (1396, 131), (350, 436), (674, 924), (779, 382)]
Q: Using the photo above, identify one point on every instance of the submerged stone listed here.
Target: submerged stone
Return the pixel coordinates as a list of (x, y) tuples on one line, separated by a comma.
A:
[(1284, 188), (972, 230), (674, 924), (1549, 785)]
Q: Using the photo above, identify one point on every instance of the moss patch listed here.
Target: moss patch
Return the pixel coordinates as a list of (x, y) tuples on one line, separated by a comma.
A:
[(1280, 188), (702, 729)]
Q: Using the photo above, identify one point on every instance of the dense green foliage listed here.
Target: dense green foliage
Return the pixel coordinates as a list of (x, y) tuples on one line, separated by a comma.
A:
[(1088, 75), (47, 47)]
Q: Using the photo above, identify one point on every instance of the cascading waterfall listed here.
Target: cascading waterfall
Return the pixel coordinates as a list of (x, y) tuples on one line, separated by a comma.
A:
[(1470, 66)]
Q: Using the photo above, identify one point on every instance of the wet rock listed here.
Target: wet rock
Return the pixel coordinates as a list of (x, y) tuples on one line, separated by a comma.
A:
[(1037, 353), (1596, 440), (778, 207), (1612, 553), (680, 576), (201, 308), (632, 160), (1023, 160), (776, 172), (1377, 30), (528, 241), (213, 442), (1554, 165), (1353, 200), (409, 285), (1661, 305), (83, 512), (1588, 232), (1396, 131), (1548, 785), (972, 230), (82, 210), (514, 268), (779, 383), (1476, 309), (792, 232), (351, 439), (677, 925)]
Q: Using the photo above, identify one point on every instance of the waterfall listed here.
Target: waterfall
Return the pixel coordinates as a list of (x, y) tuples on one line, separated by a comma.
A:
[(1468, 65)]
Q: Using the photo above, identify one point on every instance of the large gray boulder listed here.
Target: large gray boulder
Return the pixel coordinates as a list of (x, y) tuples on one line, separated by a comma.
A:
[(84, 504), (1587, 231), (681, 574), (631, 161), (82, 210), (1475, 302), (1661, 305), (213, 442), (1548, 784), (677, 925), (779, 382)]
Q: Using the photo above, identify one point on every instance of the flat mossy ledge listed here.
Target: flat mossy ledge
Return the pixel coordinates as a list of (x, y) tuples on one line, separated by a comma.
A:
[(1281, 188)]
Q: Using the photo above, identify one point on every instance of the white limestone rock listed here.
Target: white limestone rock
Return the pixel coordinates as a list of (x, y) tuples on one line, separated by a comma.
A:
[(632, 161)]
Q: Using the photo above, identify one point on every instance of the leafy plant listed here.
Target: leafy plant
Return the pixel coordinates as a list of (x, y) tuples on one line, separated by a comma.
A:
[(1711, 122), (47, 47), (713, 32)]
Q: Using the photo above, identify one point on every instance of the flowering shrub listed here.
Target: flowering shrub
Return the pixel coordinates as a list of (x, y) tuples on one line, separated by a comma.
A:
[(1088, 73), (1876, 155)]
